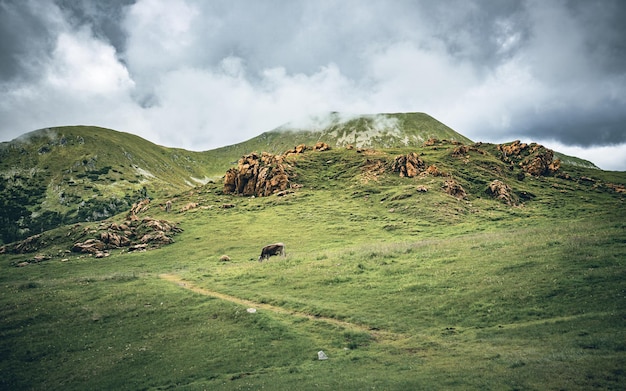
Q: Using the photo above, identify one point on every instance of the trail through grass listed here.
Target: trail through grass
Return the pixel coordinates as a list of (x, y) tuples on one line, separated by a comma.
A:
[(276, 309)]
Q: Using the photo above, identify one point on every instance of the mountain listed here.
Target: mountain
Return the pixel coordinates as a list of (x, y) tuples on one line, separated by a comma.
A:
[(64, 175), (68, 174)]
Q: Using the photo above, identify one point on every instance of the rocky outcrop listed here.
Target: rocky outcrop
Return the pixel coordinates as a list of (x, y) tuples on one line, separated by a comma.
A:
[(408, 165), (132, 234), (257, 175), (301, 148), (534, 159), (137, 208), (453, 188), (501, 191), (296, 150), (321, 147), (28, 245), (434, 171), (464, 150)]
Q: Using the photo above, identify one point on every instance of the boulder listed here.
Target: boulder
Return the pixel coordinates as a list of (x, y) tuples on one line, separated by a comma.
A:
[(189, 206), (321, 146), (408, 165), (453, 188), (501, 191), (89, 246), (434, 171)]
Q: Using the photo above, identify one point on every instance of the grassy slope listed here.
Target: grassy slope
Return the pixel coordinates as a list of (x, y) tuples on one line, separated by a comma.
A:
[(446, 293), (60, 171)]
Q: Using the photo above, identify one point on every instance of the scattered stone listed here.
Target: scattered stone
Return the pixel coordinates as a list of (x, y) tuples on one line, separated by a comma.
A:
[(189, 206), (251, 310), (224, 258), (138, 247), (321, 355), (41, 258), (422, 189), (89, 246)]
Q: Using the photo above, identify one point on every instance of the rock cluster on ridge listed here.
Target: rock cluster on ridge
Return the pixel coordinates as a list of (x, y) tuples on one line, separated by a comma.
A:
[(265, 174), (535, 159), (257, 175)]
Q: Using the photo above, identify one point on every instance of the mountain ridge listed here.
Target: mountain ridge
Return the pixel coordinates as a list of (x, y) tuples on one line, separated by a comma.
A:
[(63, 175)]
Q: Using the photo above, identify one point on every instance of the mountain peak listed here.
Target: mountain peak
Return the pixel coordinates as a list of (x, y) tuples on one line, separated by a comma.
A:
[(383, 130)]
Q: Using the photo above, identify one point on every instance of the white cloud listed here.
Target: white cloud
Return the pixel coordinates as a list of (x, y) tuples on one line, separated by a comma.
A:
[(199, 75), (611, 157), (86, 66)]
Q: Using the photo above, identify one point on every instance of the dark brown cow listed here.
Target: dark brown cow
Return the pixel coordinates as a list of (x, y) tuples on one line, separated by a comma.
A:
[(272, 249)]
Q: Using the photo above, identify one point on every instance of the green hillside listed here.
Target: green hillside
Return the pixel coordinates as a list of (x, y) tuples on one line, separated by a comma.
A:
[(64, 175), (69, 174), (403, 282)]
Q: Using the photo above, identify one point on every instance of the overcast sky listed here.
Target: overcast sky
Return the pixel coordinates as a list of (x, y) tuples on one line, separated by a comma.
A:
[(201, 74)]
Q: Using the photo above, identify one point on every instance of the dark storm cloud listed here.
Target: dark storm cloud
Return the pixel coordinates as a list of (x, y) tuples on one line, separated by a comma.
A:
[(103, 17), (201, 74), (26, 39)]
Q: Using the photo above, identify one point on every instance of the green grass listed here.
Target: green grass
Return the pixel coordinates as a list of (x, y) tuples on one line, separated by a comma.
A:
[(401, 289)]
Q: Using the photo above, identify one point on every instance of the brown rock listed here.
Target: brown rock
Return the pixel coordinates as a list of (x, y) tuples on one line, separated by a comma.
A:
[(434, 171), (501, 191), (453, 188), (257, 175), (321, 146), (189, 206), (408, 165), (533, 159)]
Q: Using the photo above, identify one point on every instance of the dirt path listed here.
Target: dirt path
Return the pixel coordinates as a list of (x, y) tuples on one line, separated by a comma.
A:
[(279, 310)]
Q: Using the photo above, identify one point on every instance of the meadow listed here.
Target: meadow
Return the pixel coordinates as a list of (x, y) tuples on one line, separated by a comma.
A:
[(400, 289)]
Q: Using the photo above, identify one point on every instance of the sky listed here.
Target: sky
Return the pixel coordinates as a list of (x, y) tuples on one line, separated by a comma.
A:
[(199, 74)]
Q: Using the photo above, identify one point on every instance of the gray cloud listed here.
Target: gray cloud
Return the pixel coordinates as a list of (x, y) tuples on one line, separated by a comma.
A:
[(27, 35), (199, 75), (103, 17)]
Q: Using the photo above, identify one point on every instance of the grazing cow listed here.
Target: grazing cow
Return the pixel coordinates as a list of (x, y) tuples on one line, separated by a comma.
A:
[(272, 249)]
